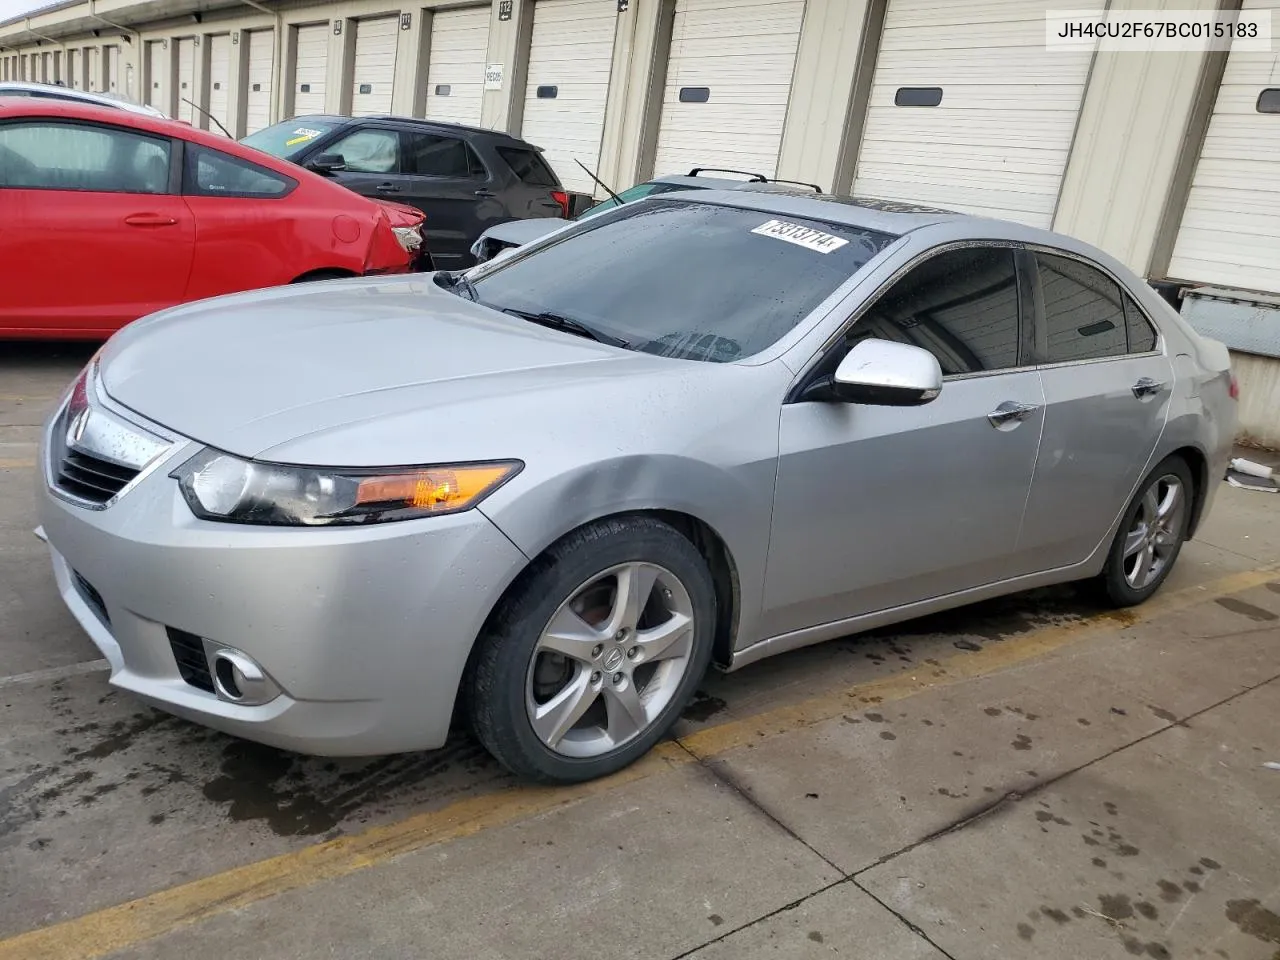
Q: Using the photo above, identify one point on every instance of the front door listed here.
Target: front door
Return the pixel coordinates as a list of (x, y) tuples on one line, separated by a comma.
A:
[(876, 507), (1107, 386), (93, 236)]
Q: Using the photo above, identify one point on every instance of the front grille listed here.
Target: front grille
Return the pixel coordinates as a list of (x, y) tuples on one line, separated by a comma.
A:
[(92, 478), (91, 596), (188, 651)]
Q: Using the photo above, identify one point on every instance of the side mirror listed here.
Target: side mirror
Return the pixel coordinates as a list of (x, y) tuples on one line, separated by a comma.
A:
[(327, 163), (885, 373)]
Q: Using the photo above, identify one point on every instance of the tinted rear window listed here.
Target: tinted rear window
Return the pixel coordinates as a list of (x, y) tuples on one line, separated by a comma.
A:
[(529, 166), (289, 139), (681, 279)]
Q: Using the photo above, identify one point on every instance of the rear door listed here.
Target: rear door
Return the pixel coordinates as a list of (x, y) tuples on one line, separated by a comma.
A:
[(93, 236), (1107, 383), (441, 176), (444, 178)]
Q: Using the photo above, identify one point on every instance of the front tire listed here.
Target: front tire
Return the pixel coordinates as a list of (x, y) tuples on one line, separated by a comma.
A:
[(1151, 534), (589, 660)]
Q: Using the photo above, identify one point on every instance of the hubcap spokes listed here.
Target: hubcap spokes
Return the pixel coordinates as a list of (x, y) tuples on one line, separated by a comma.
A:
[(610, 659), (1155, 532)]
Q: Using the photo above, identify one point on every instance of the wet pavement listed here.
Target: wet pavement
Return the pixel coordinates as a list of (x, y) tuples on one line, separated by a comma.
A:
[(1025, 777)]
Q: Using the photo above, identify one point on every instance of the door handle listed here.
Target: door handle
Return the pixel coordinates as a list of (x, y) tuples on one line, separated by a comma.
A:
[(1011, 413), (387, 188), (149, 220), (1146, 387), (485, 193)]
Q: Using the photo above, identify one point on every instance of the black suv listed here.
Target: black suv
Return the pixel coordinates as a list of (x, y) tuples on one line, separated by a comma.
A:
[(464, 179)]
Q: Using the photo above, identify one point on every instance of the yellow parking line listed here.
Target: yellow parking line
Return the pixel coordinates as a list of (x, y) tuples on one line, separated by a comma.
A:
[(137, 921)]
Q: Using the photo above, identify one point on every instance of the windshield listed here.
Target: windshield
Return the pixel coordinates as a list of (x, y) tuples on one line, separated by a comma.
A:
[(683, 279), (639, 191), (287, 140)]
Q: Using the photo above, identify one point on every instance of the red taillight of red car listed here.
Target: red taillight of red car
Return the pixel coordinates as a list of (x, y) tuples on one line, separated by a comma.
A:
[(1234, 389), (562, 198)]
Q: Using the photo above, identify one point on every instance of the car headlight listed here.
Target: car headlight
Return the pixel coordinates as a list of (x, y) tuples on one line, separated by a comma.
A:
[(219, 486)]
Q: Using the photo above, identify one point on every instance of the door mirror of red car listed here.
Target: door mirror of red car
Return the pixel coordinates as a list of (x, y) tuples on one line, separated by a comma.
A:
[(327, 163)]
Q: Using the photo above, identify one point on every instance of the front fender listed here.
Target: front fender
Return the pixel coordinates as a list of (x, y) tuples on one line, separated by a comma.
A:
[(735, 502)]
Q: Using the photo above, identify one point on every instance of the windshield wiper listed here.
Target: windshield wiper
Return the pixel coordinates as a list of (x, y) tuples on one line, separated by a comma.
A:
[(567, 324)]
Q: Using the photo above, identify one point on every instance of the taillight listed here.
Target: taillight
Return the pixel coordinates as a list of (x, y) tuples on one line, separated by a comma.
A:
[(562, 198), (1234, 389)]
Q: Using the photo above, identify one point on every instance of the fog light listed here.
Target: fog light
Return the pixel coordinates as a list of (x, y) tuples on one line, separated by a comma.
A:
[(237, 678)]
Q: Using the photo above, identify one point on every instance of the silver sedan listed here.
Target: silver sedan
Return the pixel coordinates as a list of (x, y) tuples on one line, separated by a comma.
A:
[(551, 491)]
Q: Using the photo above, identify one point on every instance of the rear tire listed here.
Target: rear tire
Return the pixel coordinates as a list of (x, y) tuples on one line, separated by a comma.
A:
[(590, 659), (1151, 534)]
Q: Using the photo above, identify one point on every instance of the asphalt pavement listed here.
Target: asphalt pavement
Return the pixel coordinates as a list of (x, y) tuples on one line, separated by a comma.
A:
[(1030, 777)]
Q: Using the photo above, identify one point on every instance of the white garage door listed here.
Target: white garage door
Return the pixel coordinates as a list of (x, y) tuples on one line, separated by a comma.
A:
[(157, 89), (997, 140), (455, 68), (1230, 232), (73, 69), (569, 62), (95, 68), (186, 78), (374, 78), (262, 45), (46, 68), (219, 77), (113, 68), (310, 69), (728, 83)]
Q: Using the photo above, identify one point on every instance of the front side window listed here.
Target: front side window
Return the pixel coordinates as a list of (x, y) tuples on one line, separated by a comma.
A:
[(212, 173), (681, 279), (960, 305), (429, 155), (67, 156), (369, 151), (1083, 311)]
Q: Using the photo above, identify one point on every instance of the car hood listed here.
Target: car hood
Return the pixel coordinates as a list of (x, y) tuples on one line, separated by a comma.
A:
[(358, 372)]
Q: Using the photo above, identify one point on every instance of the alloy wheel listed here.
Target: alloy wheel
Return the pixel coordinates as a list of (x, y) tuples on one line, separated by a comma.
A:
[(610, 659), (1156, 532)]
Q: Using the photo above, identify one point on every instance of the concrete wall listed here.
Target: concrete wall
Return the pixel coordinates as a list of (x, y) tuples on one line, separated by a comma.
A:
[(1259, 409)]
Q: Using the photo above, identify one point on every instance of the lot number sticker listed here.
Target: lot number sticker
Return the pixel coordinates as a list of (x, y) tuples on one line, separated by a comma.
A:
[(301, 135), (805, 237)]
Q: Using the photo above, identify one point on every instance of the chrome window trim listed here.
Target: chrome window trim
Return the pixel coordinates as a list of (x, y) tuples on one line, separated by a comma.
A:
[(97, 397)]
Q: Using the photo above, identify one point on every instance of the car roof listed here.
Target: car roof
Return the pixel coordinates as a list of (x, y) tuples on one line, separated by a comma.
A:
[(11, 107), (897, 218), (887, 216), (412, 121), (57, 91)]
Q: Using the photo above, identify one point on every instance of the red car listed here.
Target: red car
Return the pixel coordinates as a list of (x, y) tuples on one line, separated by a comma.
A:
[(106, 216)]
